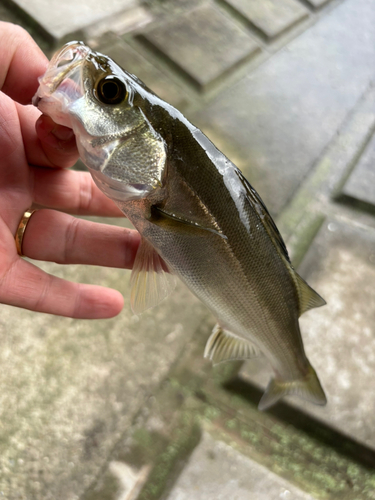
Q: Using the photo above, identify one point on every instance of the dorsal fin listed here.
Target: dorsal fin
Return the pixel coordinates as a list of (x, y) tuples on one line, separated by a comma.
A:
[(225, 346), (150, 280), (308, 297), (260, 208)]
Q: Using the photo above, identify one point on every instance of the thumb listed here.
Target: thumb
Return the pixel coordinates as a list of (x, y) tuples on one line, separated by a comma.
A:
[(58, 142)]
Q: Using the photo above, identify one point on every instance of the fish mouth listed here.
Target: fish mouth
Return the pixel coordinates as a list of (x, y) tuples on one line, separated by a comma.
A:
[(62, 83)]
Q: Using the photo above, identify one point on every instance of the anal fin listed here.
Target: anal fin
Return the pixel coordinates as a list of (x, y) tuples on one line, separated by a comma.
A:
[(225, 346), (307, 388), (150, 280)]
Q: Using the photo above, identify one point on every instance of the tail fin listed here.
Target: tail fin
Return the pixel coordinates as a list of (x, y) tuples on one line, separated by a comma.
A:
[(307, 388)]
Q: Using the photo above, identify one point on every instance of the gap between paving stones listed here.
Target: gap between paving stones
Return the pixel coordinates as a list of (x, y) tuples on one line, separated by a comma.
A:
[(268, 49), (324, 181)]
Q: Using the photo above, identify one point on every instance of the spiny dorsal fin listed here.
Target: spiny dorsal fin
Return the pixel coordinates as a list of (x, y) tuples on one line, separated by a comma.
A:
[(258, 205), (150, 280), (307, 388), (308, 298), (224, 346)]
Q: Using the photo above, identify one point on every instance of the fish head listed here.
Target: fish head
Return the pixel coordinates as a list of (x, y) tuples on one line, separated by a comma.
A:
[(103, 104)]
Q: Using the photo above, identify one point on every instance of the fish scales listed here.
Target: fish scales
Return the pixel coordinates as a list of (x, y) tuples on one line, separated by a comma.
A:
[(250, 289), (193, 208)]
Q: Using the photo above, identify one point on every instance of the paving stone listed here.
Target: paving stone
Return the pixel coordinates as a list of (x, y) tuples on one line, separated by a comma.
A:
[(361, 183), (275, 122), (69, 388), (339, 337), (135, 63), (59, 19), (272, 17), (218, 472), (203, 43), (316, 193)]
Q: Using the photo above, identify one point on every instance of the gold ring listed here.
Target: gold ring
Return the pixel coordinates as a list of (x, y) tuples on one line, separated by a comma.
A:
[(21, 230)]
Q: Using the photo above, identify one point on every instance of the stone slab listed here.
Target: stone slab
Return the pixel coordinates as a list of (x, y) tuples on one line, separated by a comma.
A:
[(216, 471), (339, 337), (203, 43), (133, 62), (361, 182), (59, 19), (272, 17), (275, 122), (70, 388)]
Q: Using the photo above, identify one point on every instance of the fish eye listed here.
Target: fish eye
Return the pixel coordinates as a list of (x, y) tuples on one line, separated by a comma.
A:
[(111, 90)]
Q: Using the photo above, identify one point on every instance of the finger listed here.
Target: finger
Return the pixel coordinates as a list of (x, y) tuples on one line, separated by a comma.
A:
[(27, 286), (58, 237), (58, 143), (21, 62), (46, 144), (71, 191), (14, 169)]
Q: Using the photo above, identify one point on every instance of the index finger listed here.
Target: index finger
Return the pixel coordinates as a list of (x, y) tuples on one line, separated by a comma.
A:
[(21, 62), (32, 288)]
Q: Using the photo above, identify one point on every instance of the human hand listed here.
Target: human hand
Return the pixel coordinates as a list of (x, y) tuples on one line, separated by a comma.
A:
[(33, 172)]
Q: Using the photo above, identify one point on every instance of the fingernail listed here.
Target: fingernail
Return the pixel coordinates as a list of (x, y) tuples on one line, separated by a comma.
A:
[(63, 133)]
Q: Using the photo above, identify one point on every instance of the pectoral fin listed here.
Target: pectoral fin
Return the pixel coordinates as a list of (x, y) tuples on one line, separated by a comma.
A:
[(150, 280), (224, 346), (173, 222), (307, 388)]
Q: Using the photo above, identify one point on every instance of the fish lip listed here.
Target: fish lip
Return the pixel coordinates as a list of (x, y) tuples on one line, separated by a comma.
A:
[(75, 53), (62, 65)]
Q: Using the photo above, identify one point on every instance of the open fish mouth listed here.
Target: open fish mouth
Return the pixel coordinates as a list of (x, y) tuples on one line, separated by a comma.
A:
[(65, 65), (62, 84)]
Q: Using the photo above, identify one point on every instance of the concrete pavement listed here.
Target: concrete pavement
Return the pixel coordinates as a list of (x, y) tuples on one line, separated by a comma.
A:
[(127, 408)]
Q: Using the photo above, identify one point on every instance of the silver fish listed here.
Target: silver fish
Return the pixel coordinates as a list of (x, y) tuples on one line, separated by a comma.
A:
[(198, 216)]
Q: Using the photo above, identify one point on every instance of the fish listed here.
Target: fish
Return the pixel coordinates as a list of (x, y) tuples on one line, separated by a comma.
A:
[(199, 219)]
